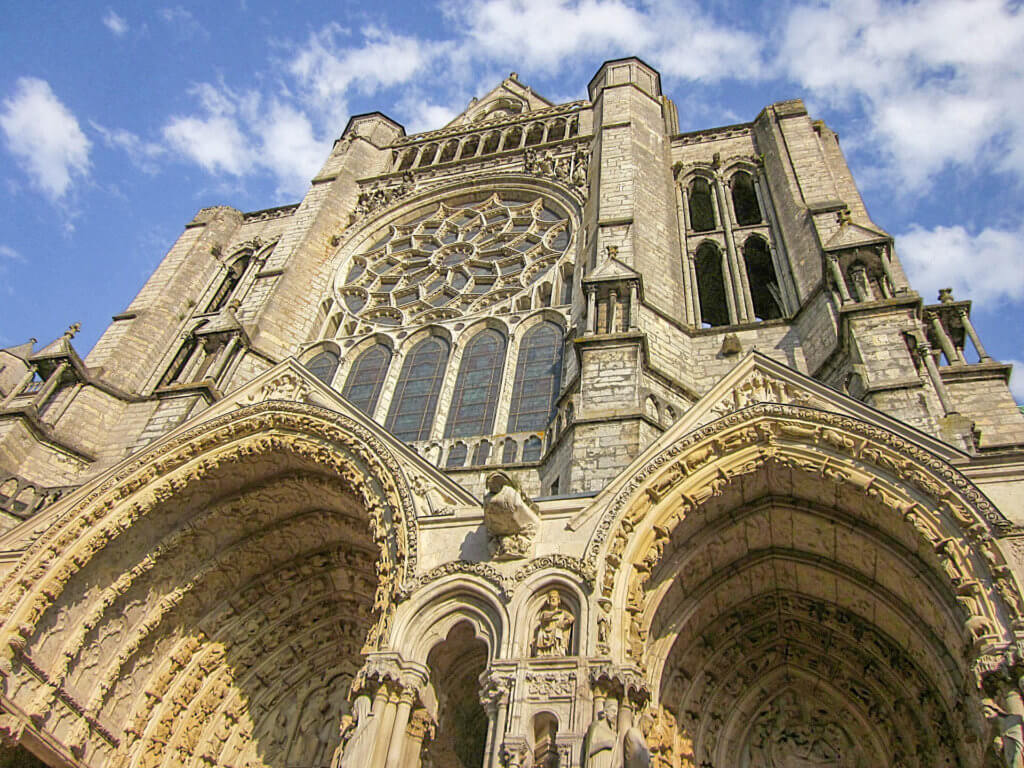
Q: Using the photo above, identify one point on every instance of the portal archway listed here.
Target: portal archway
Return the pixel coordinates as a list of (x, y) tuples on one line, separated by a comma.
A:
[(211, 602), (816, 577)]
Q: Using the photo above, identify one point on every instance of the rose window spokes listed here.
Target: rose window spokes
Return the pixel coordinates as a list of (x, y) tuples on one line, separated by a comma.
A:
[(454, 260)]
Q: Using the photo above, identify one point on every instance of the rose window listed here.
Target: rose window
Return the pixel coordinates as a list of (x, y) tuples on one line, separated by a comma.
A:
[(454, 259)]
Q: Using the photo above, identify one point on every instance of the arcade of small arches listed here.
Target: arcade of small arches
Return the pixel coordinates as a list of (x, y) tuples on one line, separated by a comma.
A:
[(782, 588), (467, 146), (732, 272), (485, 382)]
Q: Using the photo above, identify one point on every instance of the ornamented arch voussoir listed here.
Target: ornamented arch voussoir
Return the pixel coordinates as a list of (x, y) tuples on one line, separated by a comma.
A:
[(926, 491), (113, 504)]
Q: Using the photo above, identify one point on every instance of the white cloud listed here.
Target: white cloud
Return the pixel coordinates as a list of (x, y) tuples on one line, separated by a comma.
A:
[(986, 267), (183, 21), (116, 24), (143, 154), (215, 143), (289, 147), (1017, 380), (326, 70), (7, 255), (679, 38), (939, 81), (44, 136)]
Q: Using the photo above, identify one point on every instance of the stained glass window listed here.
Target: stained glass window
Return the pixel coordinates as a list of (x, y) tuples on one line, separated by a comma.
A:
[(538, 371), (366, 378), (323, 366), (476, 390), (415, 400)]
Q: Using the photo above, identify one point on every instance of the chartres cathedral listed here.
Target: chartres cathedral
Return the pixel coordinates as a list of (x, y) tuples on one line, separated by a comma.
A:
[(551, 437)]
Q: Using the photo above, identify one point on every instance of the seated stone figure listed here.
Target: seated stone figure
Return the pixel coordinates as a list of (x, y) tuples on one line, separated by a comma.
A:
[(554, 627), (510, 517)]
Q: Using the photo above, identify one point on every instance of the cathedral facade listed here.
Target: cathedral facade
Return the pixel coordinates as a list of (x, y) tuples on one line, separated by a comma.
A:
[(552, 437)]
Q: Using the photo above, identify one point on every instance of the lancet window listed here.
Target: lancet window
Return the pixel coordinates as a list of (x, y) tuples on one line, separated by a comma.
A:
[(711, 286), (764, 285), (415, 401), (744, 200), (229, 283), (476, 390), (702, 210), (366, 378), (538, 374), (323, 366)]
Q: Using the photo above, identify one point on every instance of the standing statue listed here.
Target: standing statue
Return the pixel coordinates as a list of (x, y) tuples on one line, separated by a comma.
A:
[(1009, 736), (635, 753), (356, 736), (510, 517), (554, 628), (599, 745)]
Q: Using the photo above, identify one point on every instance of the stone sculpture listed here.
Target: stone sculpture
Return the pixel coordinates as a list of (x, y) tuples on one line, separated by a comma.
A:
[(510, 517), (554, 628), (1009, 733), (356, 737), (599, 746), (635, 753)]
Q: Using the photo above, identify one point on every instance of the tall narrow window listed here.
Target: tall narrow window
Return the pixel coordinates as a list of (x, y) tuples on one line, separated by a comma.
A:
[(366, 378), (538, 371), (323, 366), (764, 286), (744, 200), (415, 400), (711, 286), (476, 390), (702, 212), (181, 360), (228, 284)]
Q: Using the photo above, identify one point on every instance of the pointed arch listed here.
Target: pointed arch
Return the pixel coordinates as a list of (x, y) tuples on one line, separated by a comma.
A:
[(735, 549), (537, 378), (764, 283), (366, 378), (192, 600), (412, 408), (475, 399), (714, 305)]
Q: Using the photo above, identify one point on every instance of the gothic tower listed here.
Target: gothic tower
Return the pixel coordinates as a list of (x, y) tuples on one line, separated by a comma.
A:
[(548, 437)]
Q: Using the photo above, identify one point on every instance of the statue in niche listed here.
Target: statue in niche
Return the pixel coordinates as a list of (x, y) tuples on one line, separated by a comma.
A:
[(601, 739), (1009, 733), (356, 736), (554, 627), (510, 517)]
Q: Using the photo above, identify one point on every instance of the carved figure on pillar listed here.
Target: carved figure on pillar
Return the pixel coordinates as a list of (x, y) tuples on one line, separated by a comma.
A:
[(554, 627), (356, 736), (510, 517), (635, 753), (599, 746), (1008, 734)]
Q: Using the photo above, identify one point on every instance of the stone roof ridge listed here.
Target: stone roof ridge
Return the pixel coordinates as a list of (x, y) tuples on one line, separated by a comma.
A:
[(854, 235), (23, 350), (612, 269)]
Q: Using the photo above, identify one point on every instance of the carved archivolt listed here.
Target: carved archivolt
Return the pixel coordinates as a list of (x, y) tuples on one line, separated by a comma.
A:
[(926, 492), (163, 617)]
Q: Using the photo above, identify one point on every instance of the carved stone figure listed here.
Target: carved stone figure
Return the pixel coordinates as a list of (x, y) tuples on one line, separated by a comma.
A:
[(511, 518), (599, 746), (554, 627), (1009, 733), (635, 753), (356, 738)]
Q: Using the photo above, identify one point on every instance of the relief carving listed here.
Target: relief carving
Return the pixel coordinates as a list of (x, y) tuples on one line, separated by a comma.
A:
[(554, 628)]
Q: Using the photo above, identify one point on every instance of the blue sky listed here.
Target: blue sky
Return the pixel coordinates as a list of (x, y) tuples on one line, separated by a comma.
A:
[(118, 121)]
